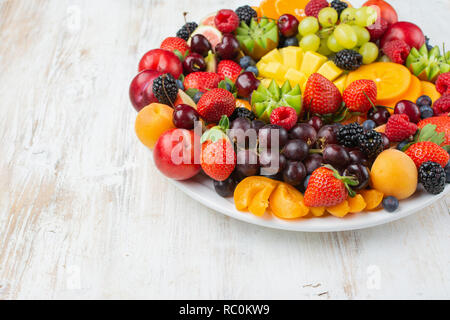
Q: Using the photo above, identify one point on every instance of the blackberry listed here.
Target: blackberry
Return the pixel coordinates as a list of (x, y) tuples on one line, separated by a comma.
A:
[(348, 60), (242, 113), (348, 135), (432, 176), (165, 89), (186, 31), (371, 143), (339, 6), (246, 14)]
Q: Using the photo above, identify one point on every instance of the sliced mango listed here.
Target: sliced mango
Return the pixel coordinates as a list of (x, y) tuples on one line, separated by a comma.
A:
[(295, 77), (317, 211), (357, 204), (273, 56), (312, 62), (373, 198), (330, 71), (341, 82), (341, 210), (292, 57)]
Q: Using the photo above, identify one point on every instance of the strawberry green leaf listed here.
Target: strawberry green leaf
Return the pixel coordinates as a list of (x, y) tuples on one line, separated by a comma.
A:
[(191, 92), (428, 133)]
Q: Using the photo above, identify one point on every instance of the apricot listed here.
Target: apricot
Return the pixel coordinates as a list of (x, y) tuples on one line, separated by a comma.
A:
[(286, 202), (372, 198), (152, 122), (429, 89), (253, 194), (357, 204), (317, 211), (394, 174), (341, 210)]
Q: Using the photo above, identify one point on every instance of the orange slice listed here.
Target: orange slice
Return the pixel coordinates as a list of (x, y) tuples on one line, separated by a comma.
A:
[(392, 79), (413, 93), (296, 8), (268, 9), (429, 89)]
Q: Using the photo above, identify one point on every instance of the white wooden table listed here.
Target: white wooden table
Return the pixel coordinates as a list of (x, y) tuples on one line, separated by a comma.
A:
[(85, 214)]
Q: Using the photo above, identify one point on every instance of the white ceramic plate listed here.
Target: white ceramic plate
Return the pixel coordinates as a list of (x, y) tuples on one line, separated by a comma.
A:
[(201, 189)]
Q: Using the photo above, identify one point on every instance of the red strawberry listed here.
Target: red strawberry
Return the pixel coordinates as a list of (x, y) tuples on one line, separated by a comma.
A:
[(360, 96), (226, 21), (441, 106), (313, 7), (218, 159), (378, 29), (203, 81), (321, 96), (285, 117), (399, 128), (442, 124), (229, 69), (397, 51), (326, 188), (422, 152), (174, 43), (216, 103), (443, 83)]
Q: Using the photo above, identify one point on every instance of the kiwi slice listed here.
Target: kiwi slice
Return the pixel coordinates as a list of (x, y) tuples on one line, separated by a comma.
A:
[(428, 64), (258, 38)]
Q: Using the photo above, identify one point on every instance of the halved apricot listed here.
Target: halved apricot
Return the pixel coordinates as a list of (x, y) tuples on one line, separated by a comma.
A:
[(253, 194), (357, 204), (317, 211), (341, 210), (373, 198), (286, 202), (429, 89)]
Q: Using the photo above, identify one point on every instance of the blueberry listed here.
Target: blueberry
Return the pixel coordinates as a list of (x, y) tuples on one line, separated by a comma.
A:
[(253, 69), (426, 112), (197, 96), (228, 87), (306, 182), (424, 101), (447, 172), (289, 42), (246, 62), (369, 125), (402, 145), (390, 204), (180, 85)]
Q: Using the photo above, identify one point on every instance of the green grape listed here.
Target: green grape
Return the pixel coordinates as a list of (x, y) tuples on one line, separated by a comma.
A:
[(328, 17), (362, 34), (324, 33), (348, 16), (365, 16), (372, 16), (308, 26), (311, 42), (370, 52), (346, 36), (323, 49), (333, 45)]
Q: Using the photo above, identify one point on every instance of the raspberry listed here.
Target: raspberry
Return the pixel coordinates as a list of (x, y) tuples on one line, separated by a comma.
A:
[(443, 83), (285, 117), (313, 7), (399, 128), (442, 106), (397, 51), (226, 21)]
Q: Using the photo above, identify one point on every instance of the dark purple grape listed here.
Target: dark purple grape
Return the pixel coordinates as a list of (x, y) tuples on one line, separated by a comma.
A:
[(229, 48), (381, 115), (360, 172), (313, 162), (271, 162), (247, 163), (225, 188), (184, 117), (296, 150), (257, 125), (327, 135), (316, 123), (294, 173), (200, 45), (242, 134), (358, 157), (265, 136), (386, 142), (305, 132), (336, 156)]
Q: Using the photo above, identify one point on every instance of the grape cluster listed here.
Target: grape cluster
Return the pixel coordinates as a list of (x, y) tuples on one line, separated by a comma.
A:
[(332, 32)]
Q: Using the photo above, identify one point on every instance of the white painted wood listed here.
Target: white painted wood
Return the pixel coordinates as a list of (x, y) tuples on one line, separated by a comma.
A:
[(84, 213)]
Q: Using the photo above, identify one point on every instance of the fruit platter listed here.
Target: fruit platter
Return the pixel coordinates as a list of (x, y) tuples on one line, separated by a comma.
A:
[(300, 115)]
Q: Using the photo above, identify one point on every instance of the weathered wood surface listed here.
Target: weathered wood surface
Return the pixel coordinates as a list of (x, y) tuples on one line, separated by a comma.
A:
[(84, 213)]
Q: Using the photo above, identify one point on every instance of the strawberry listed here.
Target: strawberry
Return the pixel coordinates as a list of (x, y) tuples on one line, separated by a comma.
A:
[(321, 96), (360, 96), (216, 103), (422, 152), (203, 81), (441, 106), (285, 117), (218, 159), (378, 29), (313, 7), (442, 124), (326, 188), (175, 44), (443, 83), (397, 51), (399, 128), (229, 69)]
